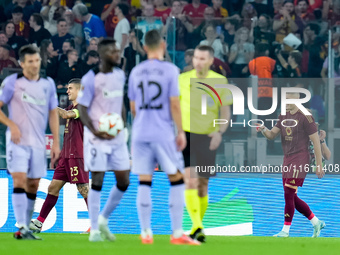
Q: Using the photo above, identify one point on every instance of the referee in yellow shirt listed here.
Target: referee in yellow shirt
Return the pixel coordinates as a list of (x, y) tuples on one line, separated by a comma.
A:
[(203, 138)]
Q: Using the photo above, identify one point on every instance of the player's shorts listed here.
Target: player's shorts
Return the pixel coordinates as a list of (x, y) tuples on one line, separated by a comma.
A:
[(294, 171), (197, 153), (145, 156), (99, 157), (26, 159), (71, 170)]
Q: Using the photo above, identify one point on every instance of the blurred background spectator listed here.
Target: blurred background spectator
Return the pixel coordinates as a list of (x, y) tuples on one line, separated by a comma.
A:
[(161, 10), (16, 42), (109, 17), (5, 59), (37, 32), (49, 58), (93, 26), (28, 9), (241, 52), (61, 36), (195, 11), (148, 22), (286, 21), (212, 39), (122, 29), (21, 27)]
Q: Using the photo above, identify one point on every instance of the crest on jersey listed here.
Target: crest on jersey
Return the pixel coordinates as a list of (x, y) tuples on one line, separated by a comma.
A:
[(289, 130)]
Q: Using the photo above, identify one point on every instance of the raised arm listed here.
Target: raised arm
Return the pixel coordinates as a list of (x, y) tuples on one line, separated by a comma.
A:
[(269, 134), (282, 60), (106, 13), (278, 24), (72, 114)]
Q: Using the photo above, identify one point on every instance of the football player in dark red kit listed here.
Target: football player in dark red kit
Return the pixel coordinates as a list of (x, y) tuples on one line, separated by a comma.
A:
[(70, 167), (296, 130)]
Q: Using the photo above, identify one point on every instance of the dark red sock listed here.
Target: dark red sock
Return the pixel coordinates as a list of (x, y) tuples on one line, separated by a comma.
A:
[(86, 203), (49, 203), (289, 205), (302, 207)]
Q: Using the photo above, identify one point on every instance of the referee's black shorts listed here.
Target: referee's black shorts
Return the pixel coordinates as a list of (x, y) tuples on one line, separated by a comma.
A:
[(197, 153)]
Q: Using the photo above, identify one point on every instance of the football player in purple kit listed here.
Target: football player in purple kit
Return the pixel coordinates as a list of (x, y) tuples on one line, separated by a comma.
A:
[(70, 166), (32, 102), (154, 100), (101, 93), (296, 130)]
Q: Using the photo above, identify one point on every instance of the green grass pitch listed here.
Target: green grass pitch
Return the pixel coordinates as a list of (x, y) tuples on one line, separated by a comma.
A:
[(74, 244)]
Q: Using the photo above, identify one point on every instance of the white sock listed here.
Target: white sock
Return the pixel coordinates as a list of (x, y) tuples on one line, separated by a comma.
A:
[(286, 228), (314, 220), (19, 202), (94, 206), (146, 232), (177, 233)]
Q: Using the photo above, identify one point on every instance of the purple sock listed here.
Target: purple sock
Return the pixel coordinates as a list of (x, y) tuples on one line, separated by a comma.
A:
[(112, 201), (19, 202), (144, 205), (176, 205), (49, 203), (94, 207)]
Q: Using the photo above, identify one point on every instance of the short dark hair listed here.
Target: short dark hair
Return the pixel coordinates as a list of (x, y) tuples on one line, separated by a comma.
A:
[(61, 20), (260, 49), (70, 51), (297, 56), (75, 80), (71, 42), (27, 50), (17, 9), (124, 8), (105, 42), (189, 52), (314, 27), (307, 2), (288, 1), (92, 53), (152, 39), (38, 19), (234, 22), (206, 48)]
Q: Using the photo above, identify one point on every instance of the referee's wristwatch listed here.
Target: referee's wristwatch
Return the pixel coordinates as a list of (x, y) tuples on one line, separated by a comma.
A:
[(322, 141)]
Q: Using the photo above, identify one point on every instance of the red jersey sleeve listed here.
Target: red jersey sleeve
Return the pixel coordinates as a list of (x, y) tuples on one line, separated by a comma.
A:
[(309, 125), (278, 123)]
